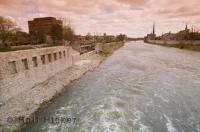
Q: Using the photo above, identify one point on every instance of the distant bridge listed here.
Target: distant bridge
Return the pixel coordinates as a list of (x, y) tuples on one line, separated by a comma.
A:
[(135, 39)]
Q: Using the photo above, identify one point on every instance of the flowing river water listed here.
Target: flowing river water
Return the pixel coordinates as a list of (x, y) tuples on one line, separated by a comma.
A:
[(140, 88)]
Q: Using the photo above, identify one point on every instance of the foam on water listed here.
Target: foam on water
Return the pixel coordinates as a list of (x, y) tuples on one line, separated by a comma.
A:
[(169, 125), (137, 122)]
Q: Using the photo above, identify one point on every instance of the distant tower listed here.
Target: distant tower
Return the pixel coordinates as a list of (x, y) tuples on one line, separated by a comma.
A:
[(153, 28), (186, 27)]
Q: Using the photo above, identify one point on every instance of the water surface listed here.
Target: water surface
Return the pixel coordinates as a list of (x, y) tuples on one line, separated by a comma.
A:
[(141, 87)]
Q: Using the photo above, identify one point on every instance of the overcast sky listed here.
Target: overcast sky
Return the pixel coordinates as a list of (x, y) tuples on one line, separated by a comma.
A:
[(132, 17)]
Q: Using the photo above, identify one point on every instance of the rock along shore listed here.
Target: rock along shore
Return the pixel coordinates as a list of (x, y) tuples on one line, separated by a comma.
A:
[(28, 103), (31, 101)]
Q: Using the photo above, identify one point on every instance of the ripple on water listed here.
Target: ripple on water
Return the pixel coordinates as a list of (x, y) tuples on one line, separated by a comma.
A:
[(108, 114), (121, 85)]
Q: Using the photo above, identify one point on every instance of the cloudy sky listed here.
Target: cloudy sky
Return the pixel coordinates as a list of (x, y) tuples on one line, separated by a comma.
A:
[(132, 17)]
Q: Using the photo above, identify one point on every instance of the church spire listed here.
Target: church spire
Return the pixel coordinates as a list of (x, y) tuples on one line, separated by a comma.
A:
[(154, 28)]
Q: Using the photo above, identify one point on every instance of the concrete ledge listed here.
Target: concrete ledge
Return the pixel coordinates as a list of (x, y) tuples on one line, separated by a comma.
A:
[(22, 70), (28, 102)]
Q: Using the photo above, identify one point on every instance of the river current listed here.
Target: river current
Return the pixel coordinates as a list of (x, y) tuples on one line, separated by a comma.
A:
[(140, 88)]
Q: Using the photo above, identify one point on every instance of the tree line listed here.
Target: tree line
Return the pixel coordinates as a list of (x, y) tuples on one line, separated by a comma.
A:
[(11, 33)]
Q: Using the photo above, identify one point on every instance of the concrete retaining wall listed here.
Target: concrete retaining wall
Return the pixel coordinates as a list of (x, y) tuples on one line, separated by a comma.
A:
[(99, 47), (174, 42), (86, 55), (22, 70)]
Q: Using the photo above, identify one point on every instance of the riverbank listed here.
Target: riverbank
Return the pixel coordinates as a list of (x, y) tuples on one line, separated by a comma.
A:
[(108, 48), (17, 110), (30, 101), (188, 45), (141, 87)]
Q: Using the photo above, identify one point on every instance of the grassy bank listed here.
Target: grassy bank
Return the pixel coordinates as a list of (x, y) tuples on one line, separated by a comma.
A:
[(25, 47), (9, 49), (109, 48)]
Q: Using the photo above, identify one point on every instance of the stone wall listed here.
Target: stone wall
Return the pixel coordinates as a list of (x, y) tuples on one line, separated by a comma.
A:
[(22, 70), (86, 55), (99, 47), (174, 42)]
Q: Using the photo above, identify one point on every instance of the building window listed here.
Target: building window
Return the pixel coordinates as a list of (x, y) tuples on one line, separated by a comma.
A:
[(12, 66), (64, 53), (43, 59), (49, 57), (60, 55), (25, 64), (35, 64), (55, 56)]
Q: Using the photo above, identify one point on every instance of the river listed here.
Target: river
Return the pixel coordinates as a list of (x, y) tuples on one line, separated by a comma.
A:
[(140, 88)]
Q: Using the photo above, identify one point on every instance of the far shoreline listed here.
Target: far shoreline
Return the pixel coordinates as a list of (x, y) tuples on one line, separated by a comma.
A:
[(189, 47)]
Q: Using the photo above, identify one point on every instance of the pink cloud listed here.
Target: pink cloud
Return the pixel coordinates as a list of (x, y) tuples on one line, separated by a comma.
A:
[(133, 17)]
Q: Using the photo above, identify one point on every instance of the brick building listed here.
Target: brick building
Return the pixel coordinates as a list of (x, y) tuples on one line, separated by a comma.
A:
[(43, 25)]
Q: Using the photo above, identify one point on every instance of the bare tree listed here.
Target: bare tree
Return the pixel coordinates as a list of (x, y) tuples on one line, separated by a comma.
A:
[(7, 28), (68, 34)]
